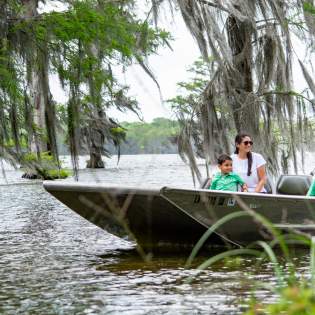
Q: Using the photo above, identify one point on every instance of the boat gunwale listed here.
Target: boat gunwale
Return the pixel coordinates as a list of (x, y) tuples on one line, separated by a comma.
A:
[(222, 193), (98, 187), (118, 189)]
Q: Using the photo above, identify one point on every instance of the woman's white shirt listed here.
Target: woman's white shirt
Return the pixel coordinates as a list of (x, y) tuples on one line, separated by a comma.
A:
[(240, 167)]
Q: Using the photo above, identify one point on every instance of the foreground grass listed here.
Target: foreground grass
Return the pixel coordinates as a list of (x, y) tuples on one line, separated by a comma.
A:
[(295, 295), (297, 299)]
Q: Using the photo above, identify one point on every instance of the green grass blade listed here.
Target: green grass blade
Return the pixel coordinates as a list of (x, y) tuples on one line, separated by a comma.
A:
[(312, 262), (210, 230), (276, 233), (272, 257)]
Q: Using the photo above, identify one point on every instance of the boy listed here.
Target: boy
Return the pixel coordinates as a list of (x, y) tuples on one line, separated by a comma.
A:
[(226, 179)]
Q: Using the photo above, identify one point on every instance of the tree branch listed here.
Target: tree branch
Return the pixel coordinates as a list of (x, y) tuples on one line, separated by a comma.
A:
[(287, 93), (217, 6)]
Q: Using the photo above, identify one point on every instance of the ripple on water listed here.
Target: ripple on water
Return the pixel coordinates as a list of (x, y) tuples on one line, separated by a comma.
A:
[(55, 262)]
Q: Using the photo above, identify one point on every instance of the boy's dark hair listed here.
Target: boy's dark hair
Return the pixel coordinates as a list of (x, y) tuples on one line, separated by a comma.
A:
[(222, 158)]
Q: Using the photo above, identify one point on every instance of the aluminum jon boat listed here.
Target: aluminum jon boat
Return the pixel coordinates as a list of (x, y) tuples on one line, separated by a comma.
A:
[(174, 217)]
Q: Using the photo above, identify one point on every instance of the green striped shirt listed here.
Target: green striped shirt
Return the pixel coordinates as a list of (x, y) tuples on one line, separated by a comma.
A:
[(227, 182)]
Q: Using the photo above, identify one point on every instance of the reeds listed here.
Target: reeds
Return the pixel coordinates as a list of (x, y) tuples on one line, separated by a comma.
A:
[(296, 295)]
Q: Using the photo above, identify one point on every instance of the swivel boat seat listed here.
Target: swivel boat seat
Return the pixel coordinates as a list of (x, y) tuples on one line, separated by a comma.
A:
[(293, 184)]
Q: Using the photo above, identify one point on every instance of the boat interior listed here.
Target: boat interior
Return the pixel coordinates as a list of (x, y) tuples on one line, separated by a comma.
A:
[(285, 185)]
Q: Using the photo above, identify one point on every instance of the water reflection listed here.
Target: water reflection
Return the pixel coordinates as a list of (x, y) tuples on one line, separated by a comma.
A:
[(164, 282)]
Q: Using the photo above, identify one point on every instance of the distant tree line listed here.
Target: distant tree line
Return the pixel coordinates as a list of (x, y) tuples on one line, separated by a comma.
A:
[(157, 137)]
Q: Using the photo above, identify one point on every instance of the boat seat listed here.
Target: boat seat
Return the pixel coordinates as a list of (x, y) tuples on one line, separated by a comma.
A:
[(293, 184)]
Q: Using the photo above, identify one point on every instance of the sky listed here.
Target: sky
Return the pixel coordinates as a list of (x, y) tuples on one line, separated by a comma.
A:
[(169, 68)]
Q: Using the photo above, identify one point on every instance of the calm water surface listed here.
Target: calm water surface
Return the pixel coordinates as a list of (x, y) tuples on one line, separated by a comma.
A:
[(54, 262)]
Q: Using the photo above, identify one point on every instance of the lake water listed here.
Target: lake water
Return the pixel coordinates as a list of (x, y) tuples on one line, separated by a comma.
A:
[(54, 262)]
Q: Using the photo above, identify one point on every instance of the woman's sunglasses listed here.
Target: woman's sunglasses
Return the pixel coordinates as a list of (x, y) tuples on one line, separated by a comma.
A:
[(248, 142)]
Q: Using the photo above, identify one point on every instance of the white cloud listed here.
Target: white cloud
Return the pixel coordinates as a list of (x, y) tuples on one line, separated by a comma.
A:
[(169, 67)]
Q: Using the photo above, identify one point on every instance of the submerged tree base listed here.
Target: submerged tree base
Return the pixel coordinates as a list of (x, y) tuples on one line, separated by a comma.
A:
[(29, 175), (47, 174), (95, 164), (44, 167)]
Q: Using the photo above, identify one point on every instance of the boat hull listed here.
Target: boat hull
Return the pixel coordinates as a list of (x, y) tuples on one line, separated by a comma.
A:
[(177, 218), (142, 215), (289, 213)]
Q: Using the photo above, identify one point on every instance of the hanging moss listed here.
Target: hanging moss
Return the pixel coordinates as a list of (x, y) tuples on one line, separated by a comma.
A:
[(80, 44), (249, 79)]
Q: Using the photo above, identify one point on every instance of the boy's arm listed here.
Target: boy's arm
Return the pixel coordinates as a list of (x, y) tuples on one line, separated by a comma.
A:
[(242, 183)]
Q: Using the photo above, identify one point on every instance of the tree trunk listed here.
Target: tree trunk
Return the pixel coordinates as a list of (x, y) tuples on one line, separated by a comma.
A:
[(97, 139), (95, 160), (96, 149), (245, 110), (38, 144), (41, 118), (35, 88)]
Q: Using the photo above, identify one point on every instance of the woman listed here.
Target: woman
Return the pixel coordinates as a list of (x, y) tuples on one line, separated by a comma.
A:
[(249, 165)]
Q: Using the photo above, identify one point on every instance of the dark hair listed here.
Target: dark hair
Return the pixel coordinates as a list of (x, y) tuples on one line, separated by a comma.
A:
[(222, 158), (238, 140)]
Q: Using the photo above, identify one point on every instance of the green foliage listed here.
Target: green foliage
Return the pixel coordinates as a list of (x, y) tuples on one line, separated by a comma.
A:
[(117, 130), (293, 300), (191, 91), (81, 45), (10, 73), (44, 165), (33, 157), (72, 35), (295, 295), (57, 174), (308, 7), (156, 137), (118, 133)]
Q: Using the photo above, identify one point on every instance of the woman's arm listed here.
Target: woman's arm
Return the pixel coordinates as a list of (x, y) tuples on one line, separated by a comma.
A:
[(262, 178), (241, 182)]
